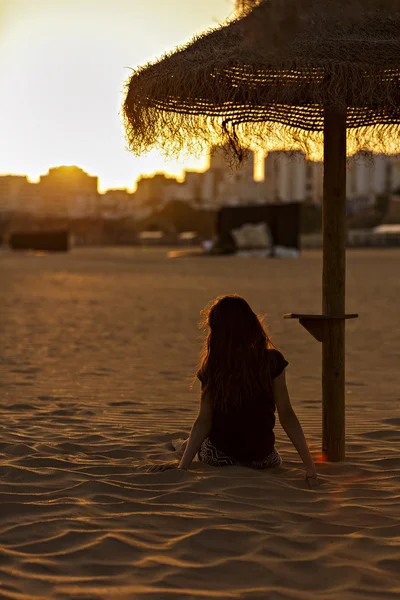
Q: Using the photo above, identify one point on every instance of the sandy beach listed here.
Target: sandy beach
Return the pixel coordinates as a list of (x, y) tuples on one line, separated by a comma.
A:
[(98, 349)]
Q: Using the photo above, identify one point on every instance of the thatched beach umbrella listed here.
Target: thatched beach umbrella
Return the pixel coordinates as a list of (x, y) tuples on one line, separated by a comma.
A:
[(304, 69)]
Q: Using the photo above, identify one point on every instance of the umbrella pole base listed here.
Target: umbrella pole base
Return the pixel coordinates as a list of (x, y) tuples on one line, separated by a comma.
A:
[(333, 388)]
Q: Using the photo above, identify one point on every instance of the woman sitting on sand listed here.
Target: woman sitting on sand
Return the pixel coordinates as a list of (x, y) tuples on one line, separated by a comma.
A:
[(242, 380)]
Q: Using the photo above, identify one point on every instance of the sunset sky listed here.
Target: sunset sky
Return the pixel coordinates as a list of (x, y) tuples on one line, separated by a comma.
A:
[(63, 64)]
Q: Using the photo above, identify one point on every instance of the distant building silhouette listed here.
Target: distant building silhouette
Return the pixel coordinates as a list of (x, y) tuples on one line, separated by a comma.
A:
[(289, 177), (17, 194), (368, 176), (190, 190), (231, 184), (68, 191), (116, 204), (151, 190)]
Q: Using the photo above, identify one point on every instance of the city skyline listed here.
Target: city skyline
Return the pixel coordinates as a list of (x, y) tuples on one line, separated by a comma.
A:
[(288, 177), (64, 66), (258, 172)]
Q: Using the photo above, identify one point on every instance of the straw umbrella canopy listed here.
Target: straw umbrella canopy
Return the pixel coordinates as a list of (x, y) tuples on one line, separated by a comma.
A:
[(285, 62), (321, 70)]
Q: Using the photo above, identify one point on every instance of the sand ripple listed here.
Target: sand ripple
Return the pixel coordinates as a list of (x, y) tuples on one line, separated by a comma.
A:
[(106, 391)]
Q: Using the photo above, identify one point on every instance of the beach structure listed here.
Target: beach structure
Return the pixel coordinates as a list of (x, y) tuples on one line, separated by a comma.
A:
[(302, 72), (46, 241), (282, 222)]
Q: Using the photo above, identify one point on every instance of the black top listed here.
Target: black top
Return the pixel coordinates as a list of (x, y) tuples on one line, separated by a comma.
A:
[(247, 432)]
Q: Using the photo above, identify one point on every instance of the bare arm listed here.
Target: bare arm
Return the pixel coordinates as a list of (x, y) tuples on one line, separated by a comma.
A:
[(290, 423), (200, 430)]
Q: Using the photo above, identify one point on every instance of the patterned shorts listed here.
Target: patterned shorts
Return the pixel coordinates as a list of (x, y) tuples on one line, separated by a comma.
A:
[(209, 454)]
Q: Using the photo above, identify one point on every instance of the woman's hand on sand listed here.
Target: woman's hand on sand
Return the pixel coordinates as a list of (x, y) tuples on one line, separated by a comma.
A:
[(162, 467)]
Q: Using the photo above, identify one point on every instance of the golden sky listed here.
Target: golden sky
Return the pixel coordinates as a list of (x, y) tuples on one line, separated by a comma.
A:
[(63, 64)]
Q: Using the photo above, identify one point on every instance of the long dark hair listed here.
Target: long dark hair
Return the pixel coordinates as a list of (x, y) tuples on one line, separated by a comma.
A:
[(234, 360)]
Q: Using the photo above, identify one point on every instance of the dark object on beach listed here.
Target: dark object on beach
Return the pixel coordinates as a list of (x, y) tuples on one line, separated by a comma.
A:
[(319, 71), (283, 221), (178, 216), (311, 218), (48, 241)]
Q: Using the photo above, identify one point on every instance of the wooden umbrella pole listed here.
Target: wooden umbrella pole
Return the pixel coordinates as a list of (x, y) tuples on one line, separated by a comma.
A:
[(333, 285)]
